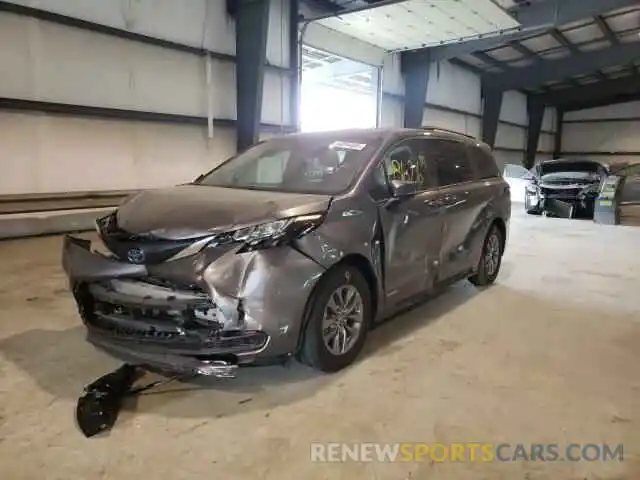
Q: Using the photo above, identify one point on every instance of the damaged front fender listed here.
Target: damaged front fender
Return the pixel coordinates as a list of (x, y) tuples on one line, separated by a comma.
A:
[(263, 290)]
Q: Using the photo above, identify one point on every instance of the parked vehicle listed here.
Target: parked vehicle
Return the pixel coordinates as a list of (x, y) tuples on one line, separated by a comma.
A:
[(625, 199), (293, 247), (564, 187)]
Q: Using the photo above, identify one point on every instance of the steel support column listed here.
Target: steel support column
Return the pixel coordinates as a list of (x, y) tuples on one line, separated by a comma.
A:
[(294, 63), (252, 24), (535, 112), (492, 103), (557, 138), (415, 68)]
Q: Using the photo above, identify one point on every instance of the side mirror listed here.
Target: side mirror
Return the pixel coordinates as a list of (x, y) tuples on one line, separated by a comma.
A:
[(402, 189)]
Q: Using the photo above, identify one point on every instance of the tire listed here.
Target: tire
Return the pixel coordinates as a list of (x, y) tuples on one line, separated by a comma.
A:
[(315, 352), (487, 272)]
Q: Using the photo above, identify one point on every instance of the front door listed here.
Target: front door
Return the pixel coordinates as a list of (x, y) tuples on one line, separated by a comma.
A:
[(412, 227)]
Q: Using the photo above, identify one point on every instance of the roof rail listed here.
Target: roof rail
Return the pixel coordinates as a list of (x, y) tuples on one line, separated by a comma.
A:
[(448, 130)]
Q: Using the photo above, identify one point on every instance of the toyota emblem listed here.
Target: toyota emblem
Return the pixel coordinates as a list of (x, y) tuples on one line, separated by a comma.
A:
[(135, 255)]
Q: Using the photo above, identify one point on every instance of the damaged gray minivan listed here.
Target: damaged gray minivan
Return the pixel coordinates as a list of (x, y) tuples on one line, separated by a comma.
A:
[(295, 247)]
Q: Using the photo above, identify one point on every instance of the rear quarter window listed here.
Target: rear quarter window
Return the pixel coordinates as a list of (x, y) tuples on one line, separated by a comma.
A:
[(484, 163), (451, 162)]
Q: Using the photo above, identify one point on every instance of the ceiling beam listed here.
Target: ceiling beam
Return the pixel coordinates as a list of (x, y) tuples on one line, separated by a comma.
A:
[(525, 51), (606, 30), (551, 70), (535, 18), (595, 91), (488, 59), (560, 37)]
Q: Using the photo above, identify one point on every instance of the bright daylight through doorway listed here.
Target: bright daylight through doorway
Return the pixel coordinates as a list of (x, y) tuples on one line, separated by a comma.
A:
[(336, 92)]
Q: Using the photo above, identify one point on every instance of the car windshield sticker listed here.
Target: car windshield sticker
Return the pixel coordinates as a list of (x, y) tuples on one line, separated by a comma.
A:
[(347, 146)]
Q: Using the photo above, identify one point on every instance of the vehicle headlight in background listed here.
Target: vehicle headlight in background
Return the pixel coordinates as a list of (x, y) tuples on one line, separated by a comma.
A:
[(531, 188), (271, 234)]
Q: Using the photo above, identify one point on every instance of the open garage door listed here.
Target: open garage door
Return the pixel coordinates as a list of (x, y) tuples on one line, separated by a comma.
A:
[(337, 92)]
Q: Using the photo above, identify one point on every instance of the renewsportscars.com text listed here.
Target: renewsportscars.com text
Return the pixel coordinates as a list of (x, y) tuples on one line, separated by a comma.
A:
[(466, 452)]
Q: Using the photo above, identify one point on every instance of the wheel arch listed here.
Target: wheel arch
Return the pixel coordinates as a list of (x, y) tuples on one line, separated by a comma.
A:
[(364, 266)]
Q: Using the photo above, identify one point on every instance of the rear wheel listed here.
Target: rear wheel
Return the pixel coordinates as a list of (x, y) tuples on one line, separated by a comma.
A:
[(490, 259), (338, 320)]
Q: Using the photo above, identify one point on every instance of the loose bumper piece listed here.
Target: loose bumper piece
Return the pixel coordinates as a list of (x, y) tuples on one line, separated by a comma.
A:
[(101, 401)]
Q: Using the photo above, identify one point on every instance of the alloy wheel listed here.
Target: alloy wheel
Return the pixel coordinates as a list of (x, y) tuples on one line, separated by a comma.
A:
[(342, 319), (492, 254)]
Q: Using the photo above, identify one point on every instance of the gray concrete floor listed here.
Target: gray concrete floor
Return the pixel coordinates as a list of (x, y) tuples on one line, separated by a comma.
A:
[(549, 354)]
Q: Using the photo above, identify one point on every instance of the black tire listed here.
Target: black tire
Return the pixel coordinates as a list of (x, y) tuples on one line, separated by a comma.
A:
[(486, 274), (314, 352)]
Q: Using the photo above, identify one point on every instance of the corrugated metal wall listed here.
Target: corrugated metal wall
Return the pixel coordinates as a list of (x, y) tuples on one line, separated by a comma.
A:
[(50, 62), (608, 134)]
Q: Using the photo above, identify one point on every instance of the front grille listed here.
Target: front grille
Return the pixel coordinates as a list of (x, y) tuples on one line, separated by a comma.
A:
[(179, 338), (568, 193), (149, 249), (184, 327)]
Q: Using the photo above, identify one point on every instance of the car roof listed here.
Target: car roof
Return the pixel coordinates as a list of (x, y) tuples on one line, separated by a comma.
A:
[(387, 133), (571, 160)]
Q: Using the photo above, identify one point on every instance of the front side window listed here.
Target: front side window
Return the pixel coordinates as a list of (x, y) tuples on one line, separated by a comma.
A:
[(320, 163), (451, 162)]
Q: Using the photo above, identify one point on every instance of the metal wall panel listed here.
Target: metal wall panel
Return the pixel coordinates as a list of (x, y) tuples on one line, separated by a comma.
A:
[(621, 110), (197, 23), (48, 153), (510, 136), (605, 137), (55, 63), (454, 87), (514, 108)]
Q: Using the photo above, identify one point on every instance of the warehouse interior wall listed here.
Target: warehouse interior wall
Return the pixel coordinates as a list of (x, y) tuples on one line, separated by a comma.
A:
[(51, 64), (608, 134)]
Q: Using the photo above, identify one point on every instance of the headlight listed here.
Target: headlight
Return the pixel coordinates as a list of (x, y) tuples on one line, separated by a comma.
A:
[(271, 234), (531, 188)]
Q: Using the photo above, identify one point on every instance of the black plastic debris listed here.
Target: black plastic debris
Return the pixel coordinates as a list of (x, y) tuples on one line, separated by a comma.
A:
[(101, 401), (98, 407)]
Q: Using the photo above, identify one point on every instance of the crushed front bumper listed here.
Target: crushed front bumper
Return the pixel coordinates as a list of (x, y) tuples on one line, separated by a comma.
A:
[(198, 314)]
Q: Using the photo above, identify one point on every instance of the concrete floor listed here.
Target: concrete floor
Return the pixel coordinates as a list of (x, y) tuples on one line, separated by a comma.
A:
[(549, 354)]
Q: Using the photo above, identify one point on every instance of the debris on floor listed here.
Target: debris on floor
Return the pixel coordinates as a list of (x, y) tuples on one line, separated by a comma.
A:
[(100, 403)]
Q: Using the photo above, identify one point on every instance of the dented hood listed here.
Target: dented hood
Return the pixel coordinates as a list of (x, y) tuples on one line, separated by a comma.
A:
[(199, 208)]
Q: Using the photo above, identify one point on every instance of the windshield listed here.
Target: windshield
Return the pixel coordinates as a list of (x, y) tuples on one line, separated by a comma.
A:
[(324, 164)]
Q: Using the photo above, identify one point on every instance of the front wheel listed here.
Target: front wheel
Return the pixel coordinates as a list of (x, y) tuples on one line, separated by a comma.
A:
[(490, 259), (338, 320)]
